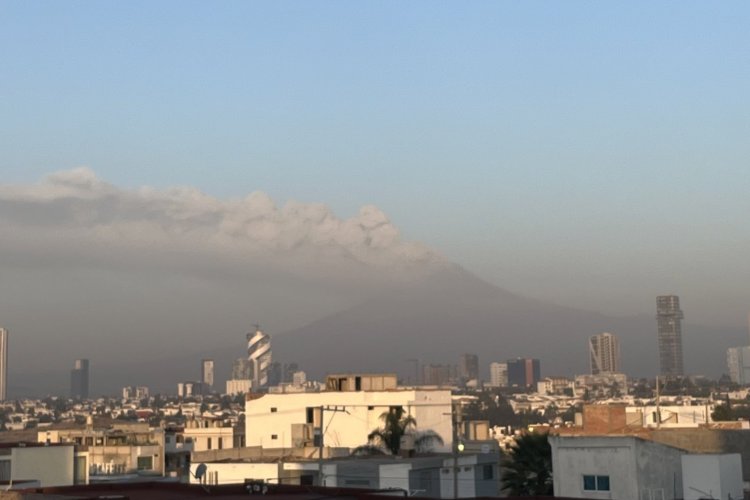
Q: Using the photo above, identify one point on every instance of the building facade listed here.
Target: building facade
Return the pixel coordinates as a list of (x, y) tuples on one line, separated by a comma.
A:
[(468, 367), (259, 354), (738, 364), (434, 374), (207, 375), (523, 372), (242, 369), (79, 379), (499, 374), (669, 324), (604, 353)]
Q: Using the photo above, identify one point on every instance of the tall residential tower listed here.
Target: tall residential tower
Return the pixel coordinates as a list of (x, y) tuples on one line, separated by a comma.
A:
[(669, 323), (604, 351), (79, 379), (259, 354)]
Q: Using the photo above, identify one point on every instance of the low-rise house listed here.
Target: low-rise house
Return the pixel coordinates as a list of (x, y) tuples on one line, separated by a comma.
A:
[(120, 449)]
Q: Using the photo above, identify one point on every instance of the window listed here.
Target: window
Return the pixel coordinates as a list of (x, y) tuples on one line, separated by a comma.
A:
[(209, 443), (221, 443), (488, 472), (602, 483), (274, 436), (274, 409), (309, 415), (4, 470), (595, 483), (145, 463)]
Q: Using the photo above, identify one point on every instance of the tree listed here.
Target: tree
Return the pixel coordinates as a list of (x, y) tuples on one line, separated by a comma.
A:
[(397, 424), (492, 407), (528, 469)]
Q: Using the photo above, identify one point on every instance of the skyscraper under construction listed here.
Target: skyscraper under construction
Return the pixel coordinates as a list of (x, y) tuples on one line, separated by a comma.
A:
[(669, 323)]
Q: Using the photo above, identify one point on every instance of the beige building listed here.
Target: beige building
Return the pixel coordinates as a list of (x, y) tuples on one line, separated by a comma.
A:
[(209, 434), (117, 450)]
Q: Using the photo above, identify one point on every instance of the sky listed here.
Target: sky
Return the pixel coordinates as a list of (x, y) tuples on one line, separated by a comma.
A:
[(591, 154)]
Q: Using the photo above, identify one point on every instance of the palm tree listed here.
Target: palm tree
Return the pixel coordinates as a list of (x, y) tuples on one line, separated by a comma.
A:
[(397, 424), (528, 469)]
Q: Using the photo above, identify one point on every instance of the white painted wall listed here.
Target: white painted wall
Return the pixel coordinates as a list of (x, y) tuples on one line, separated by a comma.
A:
[(430, 408), (50, 465), (712, 476), (234, 473)]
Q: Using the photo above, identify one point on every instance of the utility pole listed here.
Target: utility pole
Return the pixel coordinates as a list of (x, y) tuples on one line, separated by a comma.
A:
[(658, 406), (456, 418), (321, 432)]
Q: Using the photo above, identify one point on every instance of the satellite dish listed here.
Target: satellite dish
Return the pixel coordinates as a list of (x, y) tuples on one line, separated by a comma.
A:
[(200, 471)]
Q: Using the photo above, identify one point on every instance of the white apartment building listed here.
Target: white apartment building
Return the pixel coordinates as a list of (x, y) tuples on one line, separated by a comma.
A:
[(207, 435), (604, 352), (499, 374), (738, 364), (351, 408)]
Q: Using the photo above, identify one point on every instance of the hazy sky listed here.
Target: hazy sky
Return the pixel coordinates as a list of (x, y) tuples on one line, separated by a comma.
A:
[(594, 154)]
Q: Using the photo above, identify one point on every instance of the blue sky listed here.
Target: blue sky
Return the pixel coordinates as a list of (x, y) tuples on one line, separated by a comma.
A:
[(589, 153)]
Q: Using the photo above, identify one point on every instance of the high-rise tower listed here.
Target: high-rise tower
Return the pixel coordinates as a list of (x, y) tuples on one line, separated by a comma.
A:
[(207, 375), (668, 320), (604, 351), (3, 363), (79, 379), (259, 354), (468, 367)]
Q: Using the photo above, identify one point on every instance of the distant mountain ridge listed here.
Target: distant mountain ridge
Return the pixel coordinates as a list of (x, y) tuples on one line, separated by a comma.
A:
[(453, 312), (434, 320)]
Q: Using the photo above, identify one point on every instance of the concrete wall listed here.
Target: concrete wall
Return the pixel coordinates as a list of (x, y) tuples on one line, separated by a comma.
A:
[(659, 468), (395, 476), (716, 441), (234, 473), (635, 467), (712, 476), (273, 429), (50, 465)]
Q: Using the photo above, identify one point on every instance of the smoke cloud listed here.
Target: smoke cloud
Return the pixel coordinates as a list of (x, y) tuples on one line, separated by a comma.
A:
[(74, 213)]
